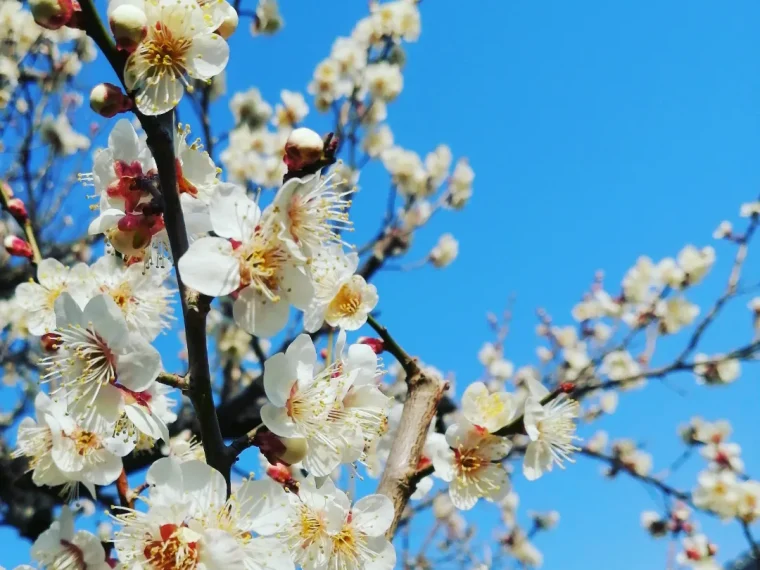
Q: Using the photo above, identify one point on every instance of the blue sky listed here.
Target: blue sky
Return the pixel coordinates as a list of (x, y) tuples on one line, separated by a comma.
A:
[(598, 132)]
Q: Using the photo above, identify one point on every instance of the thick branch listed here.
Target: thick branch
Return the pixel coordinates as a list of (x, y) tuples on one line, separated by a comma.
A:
[(419, 410)]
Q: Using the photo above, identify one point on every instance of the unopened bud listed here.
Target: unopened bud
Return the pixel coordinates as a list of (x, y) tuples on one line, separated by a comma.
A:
[(18, 210), (129, 25), (108, 100), (50, 342), (229, 24), (294, 450), (304, 147), (14, 245), (51, 14), (375, 344)]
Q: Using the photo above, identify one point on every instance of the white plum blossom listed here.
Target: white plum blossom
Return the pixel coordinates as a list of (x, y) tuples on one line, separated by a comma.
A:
[(97, 360), (471, 465), (698, 553), (328, 408), (675, 313), (61, 547), (35, 442), (342, 299), (717, 492), (486, 410), (291, 111), (180, 45), (716, 369), (141, 295), (53, 278), (695, 263), (190, 523), (445, 251), (551, 429), (248, 258)]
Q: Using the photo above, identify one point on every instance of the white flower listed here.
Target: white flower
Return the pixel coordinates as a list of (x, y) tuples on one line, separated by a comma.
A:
[(445, 251), (437, 164), (378, 140), (268, 18), (551, 429), (485, 410), (125, 176), (471, 465), (407, 171), (35, 442), (248, 257), (342, 299), (190, 523), (62, 138), (717, 492), (197, 175), (325, 531), (723, 456), (695, 262), (501, 369), (292, 111), (250, 108), (723, 230), (85, 456), (38, 299), (309, 404), (638, 281), (698, 553), (523, 550), (716, 369), (460, 184), (61, 547), (180, 44), (488, 354), (620, 365), (140, 294), (384, 80), (748, 507), (675, 313), (98, 360), (750, 209), (311, 212)]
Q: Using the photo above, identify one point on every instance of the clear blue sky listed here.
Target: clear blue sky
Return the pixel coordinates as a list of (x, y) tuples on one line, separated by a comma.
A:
[(598, 132)]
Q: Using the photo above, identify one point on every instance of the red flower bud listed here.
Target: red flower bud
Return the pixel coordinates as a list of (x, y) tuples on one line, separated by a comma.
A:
[(18, 210), (377, 345), (51, 14), (108, 100), (14, 245), (567, 387), (304, 147)]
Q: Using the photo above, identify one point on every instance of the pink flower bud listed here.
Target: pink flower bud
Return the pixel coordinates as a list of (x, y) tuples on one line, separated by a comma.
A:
[(108, 100), (14, 245), (129, 25), (18, 210), (51, 14), (304, 147), (376, 344)]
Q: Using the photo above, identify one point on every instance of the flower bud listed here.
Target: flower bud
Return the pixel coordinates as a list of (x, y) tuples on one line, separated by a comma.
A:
[(304, 147), (375, 344), (294, 450), (51, 14), (129, 25), (229, 24), (18, 210), (108, 100), (445, 251), (14, 245)]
